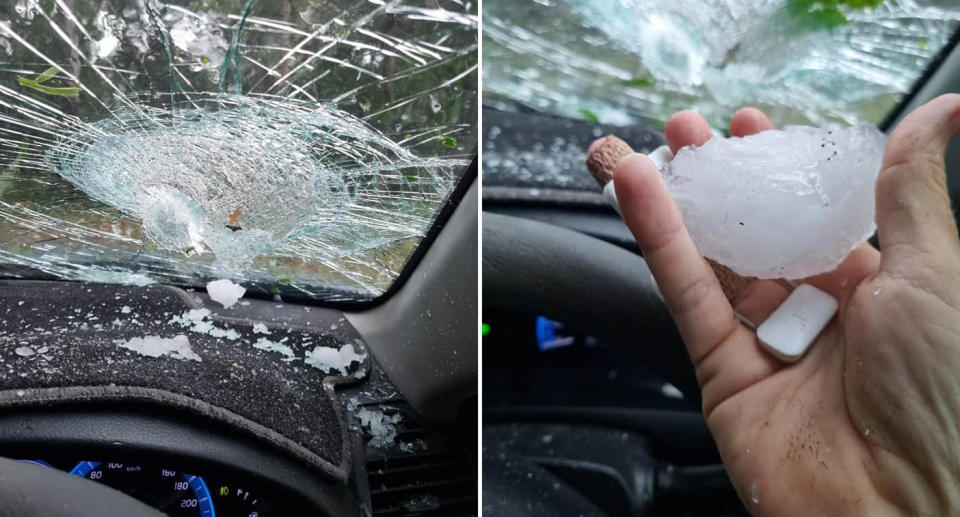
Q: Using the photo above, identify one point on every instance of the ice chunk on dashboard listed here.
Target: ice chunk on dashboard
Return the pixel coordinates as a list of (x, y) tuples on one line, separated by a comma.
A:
[(177, 347), (382, 427), (331, 359), (225, 292)]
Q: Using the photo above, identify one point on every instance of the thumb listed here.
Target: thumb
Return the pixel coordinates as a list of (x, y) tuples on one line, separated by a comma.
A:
[(914, 219)]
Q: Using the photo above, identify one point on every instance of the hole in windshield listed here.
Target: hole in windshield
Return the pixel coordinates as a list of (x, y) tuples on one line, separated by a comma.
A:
[(301, 147)]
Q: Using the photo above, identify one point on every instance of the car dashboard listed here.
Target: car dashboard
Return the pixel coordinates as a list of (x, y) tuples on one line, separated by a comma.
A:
[(241, 433), (236, 428)]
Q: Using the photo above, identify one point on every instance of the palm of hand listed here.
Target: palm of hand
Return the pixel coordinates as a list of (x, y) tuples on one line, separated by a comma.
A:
[(865, 423)]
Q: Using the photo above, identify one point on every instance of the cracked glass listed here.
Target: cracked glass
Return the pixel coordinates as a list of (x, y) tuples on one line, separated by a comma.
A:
[(822, 63), (298, 146)]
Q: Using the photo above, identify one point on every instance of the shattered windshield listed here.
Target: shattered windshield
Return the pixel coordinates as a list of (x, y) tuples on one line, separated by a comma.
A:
[(299, 146), (817, 62)]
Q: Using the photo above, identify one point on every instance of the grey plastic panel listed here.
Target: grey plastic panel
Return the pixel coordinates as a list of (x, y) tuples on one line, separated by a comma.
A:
[(945, 80), (425, 335), (591, 285), (63, 495)]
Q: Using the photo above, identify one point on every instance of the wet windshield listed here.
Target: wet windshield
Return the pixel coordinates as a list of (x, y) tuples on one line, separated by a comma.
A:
[(301, 146), (823, 62)]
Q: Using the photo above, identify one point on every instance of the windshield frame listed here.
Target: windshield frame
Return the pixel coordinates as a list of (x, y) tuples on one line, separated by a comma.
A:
[(938, 60), (466, 179)]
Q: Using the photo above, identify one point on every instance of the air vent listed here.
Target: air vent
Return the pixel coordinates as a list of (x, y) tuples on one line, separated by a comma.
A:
[(427, 475), (432, 483)]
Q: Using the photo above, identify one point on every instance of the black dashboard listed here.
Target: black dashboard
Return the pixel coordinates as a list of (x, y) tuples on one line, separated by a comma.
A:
[(241, 432)]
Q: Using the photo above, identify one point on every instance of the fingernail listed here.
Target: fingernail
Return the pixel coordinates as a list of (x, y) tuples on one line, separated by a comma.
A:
[(603, 155)]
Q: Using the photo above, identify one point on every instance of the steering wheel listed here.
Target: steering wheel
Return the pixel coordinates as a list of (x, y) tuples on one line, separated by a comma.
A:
[(28, 490), (596, 287)]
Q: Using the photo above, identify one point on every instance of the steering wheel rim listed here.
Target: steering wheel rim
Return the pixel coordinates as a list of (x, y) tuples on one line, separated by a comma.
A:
[(28, 490), (589, 284)]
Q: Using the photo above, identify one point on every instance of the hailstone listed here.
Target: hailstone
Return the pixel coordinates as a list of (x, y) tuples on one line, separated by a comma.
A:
[(787, 203)]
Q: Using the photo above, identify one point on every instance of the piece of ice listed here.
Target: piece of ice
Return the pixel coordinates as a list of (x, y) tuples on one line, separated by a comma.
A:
[(330, 359), (196, 321), (260, 328), (272, 346), (225, 292), (787, 203), (24, 351), (382, 427), (177, 347), (191, 317)]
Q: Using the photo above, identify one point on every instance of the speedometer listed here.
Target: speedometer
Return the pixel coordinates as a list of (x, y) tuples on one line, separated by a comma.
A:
[(175, 493)]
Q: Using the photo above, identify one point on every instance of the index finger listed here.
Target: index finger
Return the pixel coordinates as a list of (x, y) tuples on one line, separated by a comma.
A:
[(703, 315)]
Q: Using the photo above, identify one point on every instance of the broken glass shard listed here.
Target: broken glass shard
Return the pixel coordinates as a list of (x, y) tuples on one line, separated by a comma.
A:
[(787, 203)]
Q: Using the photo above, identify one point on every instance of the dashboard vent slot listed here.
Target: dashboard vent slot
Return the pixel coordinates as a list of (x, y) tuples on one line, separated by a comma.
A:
[(431, 483)]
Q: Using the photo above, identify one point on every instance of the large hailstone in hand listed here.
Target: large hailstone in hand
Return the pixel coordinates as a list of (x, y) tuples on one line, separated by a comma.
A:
[(787, 203)]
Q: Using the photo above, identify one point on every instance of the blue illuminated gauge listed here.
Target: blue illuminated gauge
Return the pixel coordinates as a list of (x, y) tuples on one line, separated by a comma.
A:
[(175, 493)]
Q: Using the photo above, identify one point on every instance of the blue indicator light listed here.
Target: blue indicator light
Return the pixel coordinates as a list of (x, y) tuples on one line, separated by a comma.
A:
[(547, 337)]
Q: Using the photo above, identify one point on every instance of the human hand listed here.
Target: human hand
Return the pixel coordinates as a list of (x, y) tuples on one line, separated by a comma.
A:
[(868, 422)]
